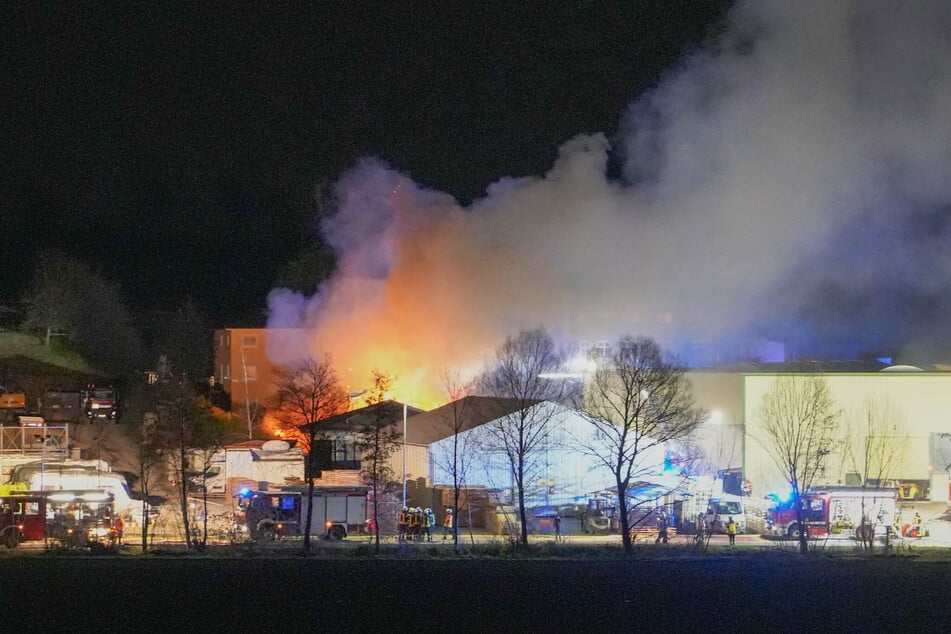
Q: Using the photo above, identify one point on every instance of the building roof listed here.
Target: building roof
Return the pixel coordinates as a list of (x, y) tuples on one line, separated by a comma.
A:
[(247, 444), (470, 412), (390, 411)]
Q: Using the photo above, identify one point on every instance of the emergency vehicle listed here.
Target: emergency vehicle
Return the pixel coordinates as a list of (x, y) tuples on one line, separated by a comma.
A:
[(834, 510), (335, 512), (72, 519), (100, 403)]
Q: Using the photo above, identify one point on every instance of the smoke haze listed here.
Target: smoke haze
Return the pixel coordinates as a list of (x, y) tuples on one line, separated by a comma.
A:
[(790, 181)]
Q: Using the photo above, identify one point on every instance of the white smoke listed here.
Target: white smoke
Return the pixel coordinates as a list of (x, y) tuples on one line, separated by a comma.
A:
[(746, 171)]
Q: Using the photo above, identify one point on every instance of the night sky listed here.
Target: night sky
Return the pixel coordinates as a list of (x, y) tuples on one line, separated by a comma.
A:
[(178, 148)]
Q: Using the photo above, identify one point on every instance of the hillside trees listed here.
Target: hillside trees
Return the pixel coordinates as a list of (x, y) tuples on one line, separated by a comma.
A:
[(517, 373), (67, 298), (639, 403), (183, 337), (799, 422), (304, 273), (308, 392)]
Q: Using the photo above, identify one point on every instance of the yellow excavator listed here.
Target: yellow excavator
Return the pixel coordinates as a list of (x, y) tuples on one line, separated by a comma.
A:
[(909, 491)]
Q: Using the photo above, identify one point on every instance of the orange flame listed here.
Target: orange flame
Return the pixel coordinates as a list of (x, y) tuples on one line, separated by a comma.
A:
[(410, 388)]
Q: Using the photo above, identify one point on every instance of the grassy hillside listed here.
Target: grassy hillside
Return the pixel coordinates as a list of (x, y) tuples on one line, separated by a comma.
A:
[(27, 365)]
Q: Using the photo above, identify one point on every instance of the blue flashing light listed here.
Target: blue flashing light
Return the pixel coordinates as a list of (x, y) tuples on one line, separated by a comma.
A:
[(245, 491), (885, 360), (780, 499)]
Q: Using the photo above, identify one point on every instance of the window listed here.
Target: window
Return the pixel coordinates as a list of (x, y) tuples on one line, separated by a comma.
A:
[(249, 341), (251, 372), (346, 454), (729, 508)]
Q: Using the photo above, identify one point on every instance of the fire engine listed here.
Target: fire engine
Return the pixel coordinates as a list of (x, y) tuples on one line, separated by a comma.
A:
[(72, 519), (100, 403), (834, 510), (335, 512)]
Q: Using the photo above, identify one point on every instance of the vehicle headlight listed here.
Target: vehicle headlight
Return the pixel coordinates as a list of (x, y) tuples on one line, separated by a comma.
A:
[(100, 532)]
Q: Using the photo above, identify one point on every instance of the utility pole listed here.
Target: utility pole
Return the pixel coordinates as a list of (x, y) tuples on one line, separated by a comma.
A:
[(404, 454)]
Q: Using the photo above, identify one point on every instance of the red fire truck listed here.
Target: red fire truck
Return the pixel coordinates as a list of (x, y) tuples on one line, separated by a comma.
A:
[(335, 512), (72, 519), (834, 510)]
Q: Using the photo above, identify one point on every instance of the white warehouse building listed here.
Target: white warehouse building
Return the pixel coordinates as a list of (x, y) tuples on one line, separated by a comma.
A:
[(563, 470), (916, 404)]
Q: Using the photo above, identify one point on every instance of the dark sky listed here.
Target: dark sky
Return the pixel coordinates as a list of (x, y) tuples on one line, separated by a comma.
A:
[(177, 148)]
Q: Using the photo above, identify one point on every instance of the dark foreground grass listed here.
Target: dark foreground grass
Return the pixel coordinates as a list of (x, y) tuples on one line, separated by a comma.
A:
[(731, 593)]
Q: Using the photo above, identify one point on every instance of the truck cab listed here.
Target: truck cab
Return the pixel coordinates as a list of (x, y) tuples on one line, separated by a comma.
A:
[(268, 515), (721, 509), (100, 404)]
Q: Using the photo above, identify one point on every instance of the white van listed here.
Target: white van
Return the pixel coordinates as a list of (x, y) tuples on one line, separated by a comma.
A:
[(721, 509)]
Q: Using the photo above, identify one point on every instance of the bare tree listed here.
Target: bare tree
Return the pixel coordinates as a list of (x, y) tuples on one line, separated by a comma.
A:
[(307, 393), (201, 458), (875, 451), (188, 422), (148, 457), (149, 435), (639, 403), (798, 423), (379, 440), (455, 458), (517, 373)]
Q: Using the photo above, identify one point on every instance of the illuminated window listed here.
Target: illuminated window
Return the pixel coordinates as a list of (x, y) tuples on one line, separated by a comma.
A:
[(249, 341)]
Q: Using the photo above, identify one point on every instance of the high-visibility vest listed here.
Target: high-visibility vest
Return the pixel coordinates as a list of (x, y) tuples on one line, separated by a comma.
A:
[(447, 520), (402, 519)]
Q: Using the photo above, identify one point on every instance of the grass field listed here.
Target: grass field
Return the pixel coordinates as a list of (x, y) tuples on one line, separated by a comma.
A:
[(747, 592)]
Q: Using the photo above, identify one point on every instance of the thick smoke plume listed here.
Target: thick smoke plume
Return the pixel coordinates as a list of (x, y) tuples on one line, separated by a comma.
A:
[(791, 182)]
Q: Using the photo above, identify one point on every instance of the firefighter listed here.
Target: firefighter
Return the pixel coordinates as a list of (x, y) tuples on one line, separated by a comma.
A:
[(916, 524), (447, 524), (661, 527), (117, 527), (402, 523), (701, 528), (731, 531), (414, 523), (430, 523), (896, 523)]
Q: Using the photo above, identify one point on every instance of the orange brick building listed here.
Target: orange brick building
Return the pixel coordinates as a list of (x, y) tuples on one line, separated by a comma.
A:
[(245, 359)]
